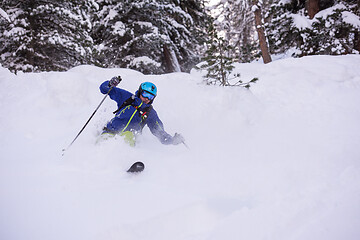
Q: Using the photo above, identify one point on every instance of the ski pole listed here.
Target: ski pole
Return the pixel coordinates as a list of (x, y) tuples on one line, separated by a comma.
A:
[(87, 122), (186, 145)]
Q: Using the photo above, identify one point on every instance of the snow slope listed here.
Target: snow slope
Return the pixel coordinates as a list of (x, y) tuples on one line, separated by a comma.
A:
[(281, 161)]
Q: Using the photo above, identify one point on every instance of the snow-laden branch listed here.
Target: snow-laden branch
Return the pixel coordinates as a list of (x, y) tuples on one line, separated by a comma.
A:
[(4, 15)]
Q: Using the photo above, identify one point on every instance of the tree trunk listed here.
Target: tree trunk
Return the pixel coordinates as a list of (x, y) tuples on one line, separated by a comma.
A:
[(31, 54), (312, 7), (261, 32), (172, 64), (357, 41), (221, 64)]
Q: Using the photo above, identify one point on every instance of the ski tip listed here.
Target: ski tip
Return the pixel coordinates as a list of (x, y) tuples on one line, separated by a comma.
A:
[(136, 167)]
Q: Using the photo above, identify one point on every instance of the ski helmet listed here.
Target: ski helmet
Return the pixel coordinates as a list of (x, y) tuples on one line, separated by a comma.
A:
[(148, 87)]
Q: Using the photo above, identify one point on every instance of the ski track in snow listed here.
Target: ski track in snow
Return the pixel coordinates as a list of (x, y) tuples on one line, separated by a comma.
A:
[(280, 161)]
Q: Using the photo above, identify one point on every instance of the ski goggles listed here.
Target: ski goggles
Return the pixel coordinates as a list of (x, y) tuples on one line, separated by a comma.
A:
[(147, 95)]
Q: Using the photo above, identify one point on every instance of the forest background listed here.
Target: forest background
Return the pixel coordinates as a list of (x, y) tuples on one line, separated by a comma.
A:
[(162, 36)]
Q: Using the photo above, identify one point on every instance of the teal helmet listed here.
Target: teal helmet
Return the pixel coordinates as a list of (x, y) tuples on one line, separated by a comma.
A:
[(149, 90), (149, 87)]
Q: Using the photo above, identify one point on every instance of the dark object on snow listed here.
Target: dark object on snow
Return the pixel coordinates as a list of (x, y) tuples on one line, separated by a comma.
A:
[(136, 167)]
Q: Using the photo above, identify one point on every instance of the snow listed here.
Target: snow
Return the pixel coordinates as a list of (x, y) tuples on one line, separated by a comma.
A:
[(254, 8), (328, 11), (111, 15), (119, 28), (15, 31), (351, 18), (283, 2), (279, 161), (300, 21), (144, 60)]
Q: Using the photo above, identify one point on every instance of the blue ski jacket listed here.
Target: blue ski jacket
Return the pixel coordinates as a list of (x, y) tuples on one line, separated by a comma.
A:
[(129, 118)]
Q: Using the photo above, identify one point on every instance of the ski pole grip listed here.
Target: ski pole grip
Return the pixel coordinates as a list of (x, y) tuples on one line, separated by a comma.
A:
[(113, 82)]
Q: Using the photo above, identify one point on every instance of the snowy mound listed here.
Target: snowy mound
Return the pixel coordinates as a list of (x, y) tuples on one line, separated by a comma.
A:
[(279, 161)]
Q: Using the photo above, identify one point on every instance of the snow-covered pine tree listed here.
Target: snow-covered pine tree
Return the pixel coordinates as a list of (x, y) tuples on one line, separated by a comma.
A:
[(4, 23), (153, 37), (334, 30), (45, 35), (282, 33)]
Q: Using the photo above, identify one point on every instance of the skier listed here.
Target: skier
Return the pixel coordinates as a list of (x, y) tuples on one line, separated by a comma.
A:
[(134, 112)]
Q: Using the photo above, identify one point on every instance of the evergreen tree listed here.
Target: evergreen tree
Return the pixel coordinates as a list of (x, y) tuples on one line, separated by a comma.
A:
[(219, 64), (150, 36), (45, 35), (283, 34), (331, 32)]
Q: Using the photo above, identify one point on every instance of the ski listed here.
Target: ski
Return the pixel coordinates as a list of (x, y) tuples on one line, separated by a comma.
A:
[(136, 167)]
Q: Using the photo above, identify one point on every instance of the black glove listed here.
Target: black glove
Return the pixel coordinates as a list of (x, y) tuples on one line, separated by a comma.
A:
[(177, 139), (114, 81)]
